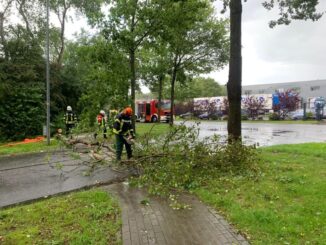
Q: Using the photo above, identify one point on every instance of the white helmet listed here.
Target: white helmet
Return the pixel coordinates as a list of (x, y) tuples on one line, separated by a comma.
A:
[(69, 108), (102, 112)]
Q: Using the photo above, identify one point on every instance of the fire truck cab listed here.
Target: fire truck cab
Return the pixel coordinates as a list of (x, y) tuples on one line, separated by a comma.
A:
[(147, 110)]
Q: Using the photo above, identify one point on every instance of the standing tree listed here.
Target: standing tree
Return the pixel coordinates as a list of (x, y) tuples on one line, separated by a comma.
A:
[(197, 42), (297, 10), (129, 23), (155, 66), (100, 71)]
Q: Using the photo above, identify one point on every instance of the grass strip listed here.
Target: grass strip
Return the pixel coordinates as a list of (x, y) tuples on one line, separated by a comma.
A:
[(29, 148), (88, 217)]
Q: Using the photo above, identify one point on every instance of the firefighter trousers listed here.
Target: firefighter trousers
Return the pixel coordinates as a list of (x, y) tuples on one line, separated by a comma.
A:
[(120, 141)]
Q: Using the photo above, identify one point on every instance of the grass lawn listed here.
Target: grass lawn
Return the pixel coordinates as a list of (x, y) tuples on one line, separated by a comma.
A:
[(27, 148), (89, 217), (154, 129), (287, 205)]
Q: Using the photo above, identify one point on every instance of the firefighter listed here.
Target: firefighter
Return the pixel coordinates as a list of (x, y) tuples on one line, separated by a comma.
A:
[(124, 133), (101, 122), (70, 119)]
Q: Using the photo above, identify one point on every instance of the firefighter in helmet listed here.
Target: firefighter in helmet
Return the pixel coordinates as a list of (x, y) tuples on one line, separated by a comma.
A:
[(101, 122), (124, 133), (70, 119)]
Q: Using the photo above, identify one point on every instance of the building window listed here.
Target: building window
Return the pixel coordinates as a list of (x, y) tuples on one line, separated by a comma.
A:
[(313, 88)]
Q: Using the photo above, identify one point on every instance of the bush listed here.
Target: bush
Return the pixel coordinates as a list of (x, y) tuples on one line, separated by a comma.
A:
[(309, 115), (23, 113), (274, 116)]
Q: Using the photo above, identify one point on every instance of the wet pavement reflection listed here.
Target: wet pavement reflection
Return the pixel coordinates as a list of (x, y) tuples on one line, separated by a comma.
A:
[(267, 134)]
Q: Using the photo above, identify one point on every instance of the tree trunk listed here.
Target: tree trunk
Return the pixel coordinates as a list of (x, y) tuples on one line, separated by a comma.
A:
[(173, 78), (21, 10), (160, 88), (235, 72), (133, 85), (2, 35), (62, 34)]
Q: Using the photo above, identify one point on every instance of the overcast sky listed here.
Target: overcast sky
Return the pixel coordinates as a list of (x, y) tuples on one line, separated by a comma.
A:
[(284, 54)]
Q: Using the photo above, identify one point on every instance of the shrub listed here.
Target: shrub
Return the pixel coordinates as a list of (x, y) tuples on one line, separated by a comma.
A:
[(309, 115), (23, 113), (274, 116)]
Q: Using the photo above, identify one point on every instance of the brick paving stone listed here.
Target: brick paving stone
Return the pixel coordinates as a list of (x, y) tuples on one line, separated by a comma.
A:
[(157, 223)]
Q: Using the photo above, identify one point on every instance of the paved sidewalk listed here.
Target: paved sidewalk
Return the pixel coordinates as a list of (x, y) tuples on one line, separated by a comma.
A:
[(29, 177), (157, 223)]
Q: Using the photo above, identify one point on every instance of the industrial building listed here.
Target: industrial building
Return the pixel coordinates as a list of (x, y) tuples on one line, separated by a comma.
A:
[(308, 90)]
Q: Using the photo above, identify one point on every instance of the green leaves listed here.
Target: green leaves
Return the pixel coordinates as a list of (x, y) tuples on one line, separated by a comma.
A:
[(293, 10), (180, 161)]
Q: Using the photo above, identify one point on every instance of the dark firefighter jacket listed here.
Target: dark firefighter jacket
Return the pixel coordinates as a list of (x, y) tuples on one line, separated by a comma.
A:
[(70, 117), (122, 125)]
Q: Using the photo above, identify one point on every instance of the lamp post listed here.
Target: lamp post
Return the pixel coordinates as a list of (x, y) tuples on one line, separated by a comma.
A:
[(47, 76)]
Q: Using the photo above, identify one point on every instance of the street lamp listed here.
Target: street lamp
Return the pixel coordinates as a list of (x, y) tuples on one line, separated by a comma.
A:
[(47, 76)]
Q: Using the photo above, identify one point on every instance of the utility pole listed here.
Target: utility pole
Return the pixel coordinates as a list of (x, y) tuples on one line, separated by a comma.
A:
[(47, 76)]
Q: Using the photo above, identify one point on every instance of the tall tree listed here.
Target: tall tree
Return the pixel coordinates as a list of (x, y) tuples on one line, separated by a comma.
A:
[(100, 71), (297, 10), (154, 67), (197, 41), (129, 23)]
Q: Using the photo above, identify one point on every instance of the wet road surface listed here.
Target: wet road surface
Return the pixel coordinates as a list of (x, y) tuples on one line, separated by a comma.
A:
[(267, 134), (32, 176)]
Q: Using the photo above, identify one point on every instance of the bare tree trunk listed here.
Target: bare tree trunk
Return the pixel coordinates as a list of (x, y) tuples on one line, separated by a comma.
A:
[(160, 88), (62, 33), (2, 28), (235, 72), (2, 34), (23, 14)]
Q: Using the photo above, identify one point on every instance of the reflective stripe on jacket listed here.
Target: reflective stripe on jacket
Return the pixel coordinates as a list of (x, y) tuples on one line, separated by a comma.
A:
[(122, 125), (70, 118)]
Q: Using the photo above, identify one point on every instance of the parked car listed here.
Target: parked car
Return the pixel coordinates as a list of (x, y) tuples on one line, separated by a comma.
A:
[(298, 114), (215, 115), (187, 115), (204, 116)]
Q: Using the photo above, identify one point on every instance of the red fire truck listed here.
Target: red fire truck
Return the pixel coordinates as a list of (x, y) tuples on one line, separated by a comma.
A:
[(147, 110)]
